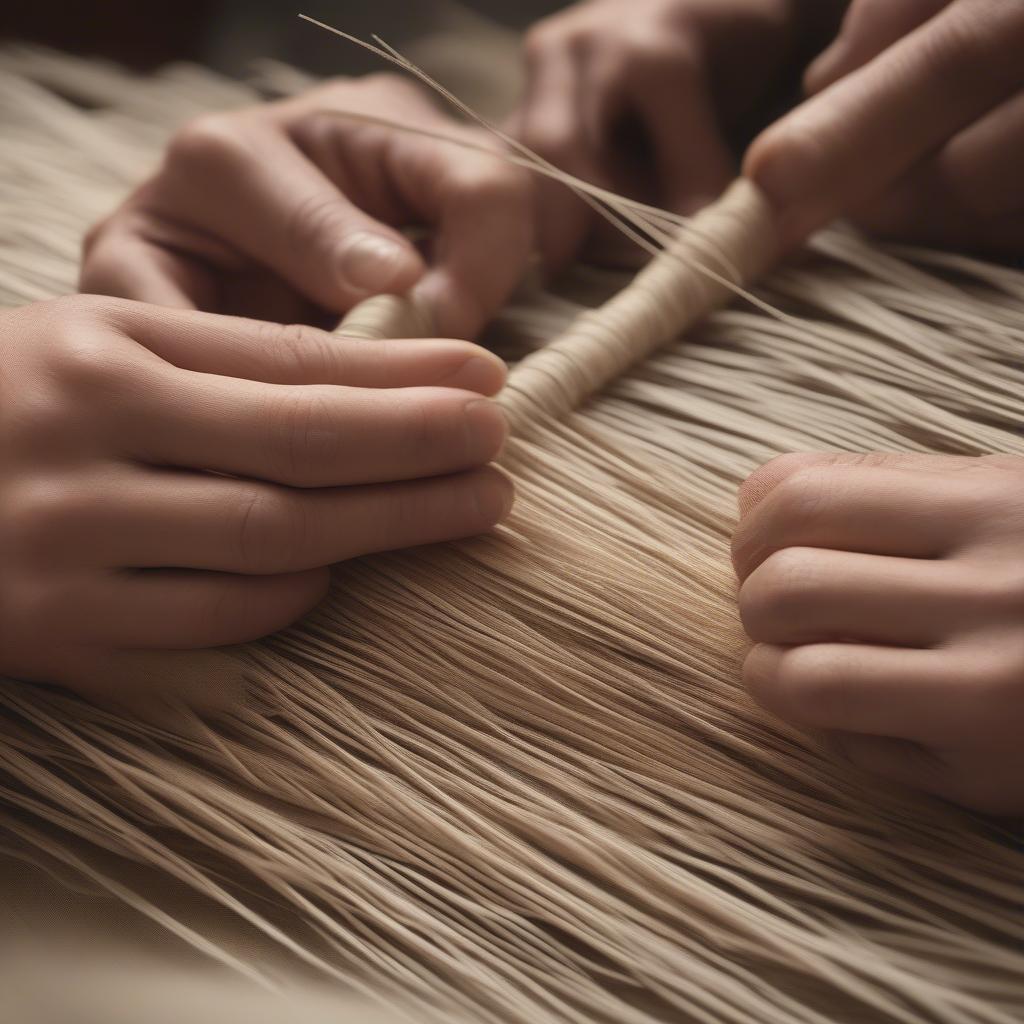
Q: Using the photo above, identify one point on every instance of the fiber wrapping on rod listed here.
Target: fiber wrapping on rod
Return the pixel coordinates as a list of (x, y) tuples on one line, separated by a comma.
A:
[(516, 778)]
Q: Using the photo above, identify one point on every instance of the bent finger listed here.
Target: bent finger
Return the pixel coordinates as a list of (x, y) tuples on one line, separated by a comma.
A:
[(873, 510), (882, 691), (121, 263), (263, 196), (810, 595), (693, 160), (550, 122), (482, 245)]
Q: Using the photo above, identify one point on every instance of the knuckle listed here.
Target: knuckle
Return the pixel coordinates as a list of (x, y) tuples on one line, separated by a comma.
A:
[(422, 424), (799, 684), (302, 352), (542, 38), (312, 218), (301, 436), (653, 52), (492, 185), (270, 531), (84, 362), (39, 520), (767, 476), (802, 496), (206, 142), (760, 675), (783, 586), (79, 311), (315, 131), (40, 425), (552, 130), (813, 684)]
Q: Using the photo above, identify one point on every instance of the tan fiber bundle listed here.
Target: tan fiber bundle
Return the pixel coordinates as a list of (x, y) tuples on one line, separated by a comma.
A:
[(516, 778)]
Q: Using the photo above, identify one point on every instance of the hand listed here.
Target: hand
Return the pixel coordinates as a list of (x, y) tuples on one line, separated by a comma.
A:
[(618, 89), (287, 210), (174, 480), (915, 128), (885, 594)]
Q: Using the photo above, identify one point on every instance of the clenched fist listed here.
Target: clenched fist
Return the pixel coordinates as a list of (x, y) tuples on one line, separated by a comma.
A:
[(885, 596)]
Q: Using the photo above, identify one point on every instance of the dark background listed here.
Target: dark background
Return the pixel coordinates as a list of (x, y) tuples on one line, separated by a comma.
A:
[(229, 34)]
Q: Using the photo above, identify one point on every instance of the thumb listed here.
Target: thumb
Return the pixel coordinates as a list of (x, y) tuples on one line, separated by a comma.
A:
[(253, 189)]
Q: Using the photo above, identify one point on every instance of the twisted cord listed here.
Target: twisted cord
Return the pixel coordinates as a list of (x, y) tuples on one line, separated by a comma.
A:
[(733, 238)]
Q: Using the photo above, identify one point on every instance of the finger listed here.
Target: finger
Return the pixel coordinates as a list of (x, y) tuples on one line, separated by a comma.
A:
[(296, 354), (809, 595), (670, 90), (310, 436), (874, 510), (870, 27), (177, 609), (884, 691), (984, 781), (117, 261), (263, 196), (849, 142), (550, 123), (898, 760), (483, 211), (763, 480), (192, 521), (968, 196)]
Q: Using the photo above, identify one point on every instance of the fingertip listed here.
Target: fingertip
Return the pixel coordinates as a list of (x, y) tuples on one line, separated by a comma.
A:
[(494, 495), (770, 474), (785, 162), (822, 71), (486, 429), (482, 372), (374, 263), (759, 673), (456, 315)]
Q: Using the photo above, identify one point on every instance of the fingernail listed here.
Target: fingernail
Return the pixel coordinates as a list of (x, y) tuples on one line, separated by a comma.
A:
[(486, 429), (372, 262), (484, 374), (494, 496)]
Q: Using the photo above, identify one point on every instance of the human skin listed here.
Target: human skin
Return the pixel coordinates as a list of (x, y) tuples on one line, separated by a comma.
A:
[(291, 211), (883, 592), (173, 480), (909, 659), (885, 596), (913, 126)]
